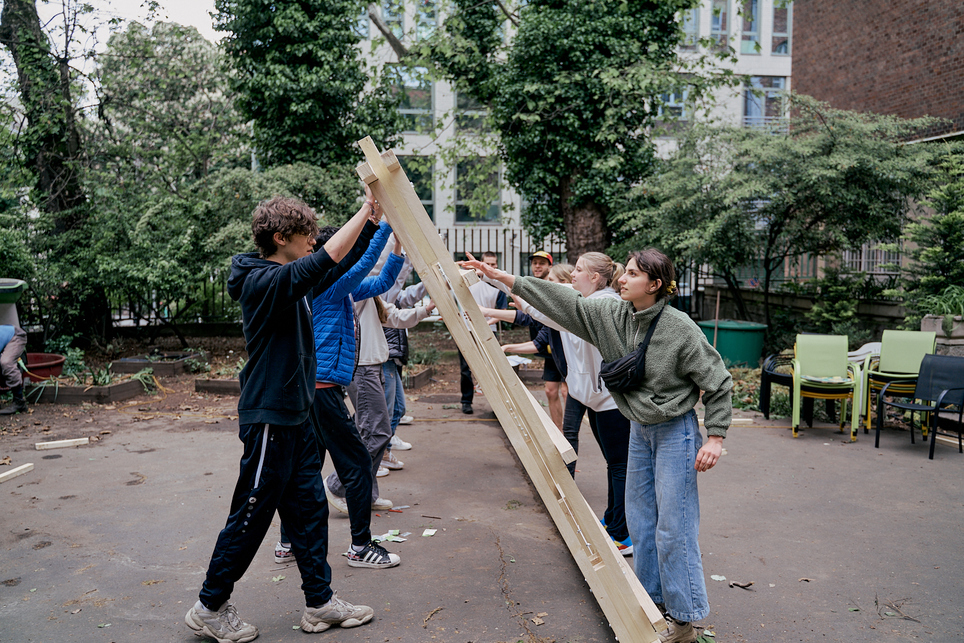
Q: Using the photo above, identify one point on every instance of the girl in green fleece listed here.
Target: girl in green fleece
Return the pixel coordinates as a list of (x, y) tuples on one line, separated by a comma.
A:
[(666, 449)]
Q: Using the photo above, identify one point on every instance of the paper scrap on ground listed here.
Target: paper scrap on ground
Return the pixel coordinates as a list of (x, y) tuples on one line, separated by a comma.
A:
[(719, 578), (429, 532), (389, 537)]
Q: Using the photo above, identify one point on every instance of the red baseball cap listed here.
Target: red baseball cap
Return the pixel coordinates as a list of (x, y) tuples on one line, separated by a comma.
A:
[(542, 254)]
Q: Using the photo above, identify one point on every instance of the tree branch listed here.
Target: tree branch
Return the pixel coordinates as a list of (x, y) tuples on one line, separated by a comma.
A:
[(508, 15), (376, 16)]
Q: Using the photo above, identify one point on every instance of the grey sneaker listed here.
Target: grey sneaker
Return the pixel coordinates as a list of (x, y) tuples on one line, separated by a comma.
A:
[(335, 612), (340, 504), (382, 504), (224, 625), (678, 632)]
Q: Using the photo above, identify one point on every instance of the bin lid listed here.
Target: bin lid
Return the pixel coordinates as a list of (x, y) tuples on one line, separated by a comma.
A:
[(732, 324), (11, 289)]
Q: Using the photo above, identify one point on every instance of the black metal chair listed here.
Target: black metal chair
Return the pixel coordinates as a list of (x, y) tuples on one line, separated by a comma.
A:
[(769, 375), (940, 383)]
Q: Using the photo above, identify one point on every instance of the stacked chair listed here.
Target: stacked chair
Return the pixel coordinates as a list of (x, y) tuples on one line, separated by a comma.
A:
[(821, 370), (897, 366)]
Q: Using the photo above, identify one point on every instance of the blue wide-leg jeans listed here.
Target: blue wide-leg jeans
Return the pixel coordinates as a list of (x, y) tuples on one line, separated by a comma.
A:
[(663, 514)]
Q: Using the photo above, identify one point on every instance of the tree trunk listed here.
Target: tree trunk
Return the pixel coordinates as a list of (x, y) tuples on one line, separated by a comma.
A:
[(50, 141), (586, 229)]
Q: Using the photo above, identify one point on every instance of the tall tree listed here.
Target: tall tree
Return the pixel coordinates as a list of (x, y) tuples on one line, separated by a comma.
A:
[(50, 142), (739, 198), (301, 79), (573, 93)]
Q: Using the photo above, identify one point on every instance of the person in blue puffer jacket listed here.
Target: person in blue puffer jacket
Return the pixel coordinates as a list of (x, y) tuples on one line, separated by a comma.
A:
[(336, 347)]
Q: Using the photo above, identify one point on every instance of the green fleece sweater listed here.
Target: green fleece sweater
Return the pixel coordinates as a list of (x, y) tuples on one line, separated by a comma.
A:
[(679, 362)]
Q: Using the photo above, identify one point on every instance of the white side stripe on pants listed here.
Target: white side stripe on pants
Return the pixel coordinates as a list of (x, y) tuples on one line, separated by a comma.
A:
[(264, 448)]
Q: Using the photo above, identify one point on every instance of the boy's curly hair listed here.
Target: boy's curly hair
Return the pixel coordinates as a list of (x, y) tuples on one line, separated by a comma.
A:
[(285, 215)]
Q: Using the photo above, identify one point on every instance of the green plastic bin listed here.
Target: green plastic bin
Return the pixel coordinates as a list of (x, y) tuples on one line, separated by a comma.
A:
[(740, 343), (11, 289)]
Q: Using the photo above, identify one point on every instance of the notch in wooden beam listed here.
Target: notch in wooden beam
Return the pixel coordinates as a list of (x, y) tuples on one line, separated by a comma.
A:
[(364, 171), (391, 161)]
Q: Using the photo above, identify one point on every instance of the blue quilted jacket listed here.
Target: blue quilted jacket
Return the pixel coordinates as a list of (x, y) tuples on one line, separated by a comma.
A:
[(333, 315)]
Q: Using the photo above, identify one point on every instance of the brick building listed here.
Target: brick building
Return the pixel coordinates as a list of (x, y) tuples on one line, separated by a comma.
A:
[(903, 58)]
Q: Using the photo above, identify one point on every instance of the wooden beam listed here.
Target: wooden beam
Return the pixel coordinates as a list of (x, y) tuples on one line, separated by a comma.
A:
[(631, 613), (19, 471), (60, 444)]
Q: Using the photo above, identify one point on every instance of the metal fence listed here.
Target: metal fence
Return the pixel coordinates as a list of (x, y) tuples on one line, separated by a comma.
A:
[(210, 303)]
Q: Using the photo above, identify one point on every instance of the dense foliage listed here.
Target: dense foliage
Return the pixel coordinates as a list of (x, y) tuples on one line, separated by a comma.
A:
[(738, 197), (301, 79), (572, 93)]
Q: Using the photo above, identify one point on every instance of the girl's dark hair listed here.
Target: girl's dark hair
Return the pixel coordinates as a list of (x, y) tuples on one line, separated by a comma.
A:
[(281, 214), (325, 235), (658, 266)]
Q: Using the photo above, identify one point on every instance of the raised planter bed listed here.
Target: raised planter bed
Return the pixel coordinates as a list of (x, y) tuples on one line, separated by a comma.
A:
[(52, 392), (164, 364), (218, 387), (413, 381)]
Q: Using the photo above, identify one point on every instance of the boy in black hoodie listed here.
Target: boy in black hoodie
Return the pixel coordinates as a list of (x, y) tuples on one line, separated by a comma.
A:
[(281, 465)]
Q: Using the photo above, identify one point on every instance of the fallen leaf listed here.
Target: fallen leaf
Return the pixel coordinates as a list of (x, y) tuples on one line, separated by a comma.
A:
[(5, 460), (733, 583), (76, 610), (151, 582), (537, 620), (803, 580), (854, 609), (541, 614), (278, 579)]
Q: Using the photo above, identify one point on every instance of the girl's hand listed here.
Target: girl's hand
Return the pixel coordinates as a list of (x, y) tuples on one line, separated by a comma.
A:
[(709, 454)]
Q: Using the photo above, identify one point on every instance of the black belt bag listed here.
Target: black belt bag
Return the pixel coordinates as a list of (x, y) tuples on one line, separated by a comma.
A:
[(627, 373)]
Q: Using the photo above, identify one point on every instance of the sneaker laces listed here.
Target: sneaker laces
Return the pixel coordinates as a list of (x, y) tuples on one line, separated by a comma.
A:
[(229, 616), (378, 549)]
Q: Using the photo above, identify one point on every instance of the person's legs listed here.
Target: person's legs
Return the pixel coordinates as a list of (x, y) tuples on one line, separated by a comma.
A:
[(642, 512), (678, 522), (572, 420), (266, 467), (304, 512), (394, 392), (611, 431), (465, 382), (367, 394), (10, 375), (552, 379), (336, 433)]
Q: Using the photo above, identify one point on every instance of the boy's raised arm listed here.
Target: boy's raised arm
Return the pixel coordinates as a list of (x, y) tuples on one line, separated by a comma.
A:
[(343, 240)]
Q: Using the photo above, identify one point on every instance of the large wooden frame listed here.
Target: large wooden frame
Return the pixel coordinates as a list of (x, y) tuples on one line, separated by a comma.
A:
[(543, 450)]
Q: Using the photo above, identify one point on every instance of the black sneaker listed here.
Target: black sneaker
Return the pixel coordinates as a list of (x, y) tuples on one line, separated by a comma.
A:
[(466, 408), (373, 556)]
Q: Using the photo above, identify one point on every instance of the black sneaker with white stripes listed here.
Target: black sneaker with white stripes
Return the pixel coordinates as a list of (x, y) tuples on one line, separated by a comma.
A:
[(373, 556)]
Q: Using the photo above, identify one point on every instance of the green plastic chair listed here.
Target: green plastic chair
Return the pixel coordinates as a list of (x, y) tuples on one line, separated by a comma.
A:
[(901, 353), (821, 370)]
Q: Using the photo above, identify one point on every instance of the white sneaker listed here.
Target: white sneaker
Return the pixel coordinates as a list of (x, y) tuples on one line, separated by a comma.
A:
[(382, 472), (224, 625), (335, 612), (382, 504), (341, 504), (389, 461), (399, 444), (406, 419)]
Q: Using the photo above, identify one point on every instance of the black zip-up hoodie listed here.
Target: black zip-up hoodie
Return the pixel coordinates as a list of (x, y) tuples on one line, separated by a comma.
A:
[(278, 380)]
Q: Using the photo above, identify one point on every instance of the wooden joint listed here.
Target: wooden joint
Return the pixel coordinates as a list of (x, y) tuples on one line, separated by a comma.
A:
[(469, 277), (391, 161), (365, 172)]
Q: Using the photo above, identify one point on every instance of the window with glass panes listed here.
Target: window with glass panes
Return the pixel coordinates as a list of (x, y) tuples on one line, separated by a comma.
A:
[(420, 170), (424, 19), (720, 23), (782, 27), (763, 101), (467, 182), (416, 102), (690, 26), (469, 114), (674, 105), (393, 13), (750, 37)]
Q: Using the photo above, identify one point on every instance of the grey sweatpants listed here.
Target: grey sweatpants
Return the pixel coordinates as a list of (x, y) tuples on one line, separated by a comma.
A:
[(10, 376), (367, 394)]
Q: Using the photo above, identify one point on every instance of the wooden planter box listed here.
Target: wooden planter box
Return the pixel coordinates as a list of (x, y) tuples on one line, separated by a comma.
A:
[(168, 365), (413, 381), (60, 394), (218, 387)]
